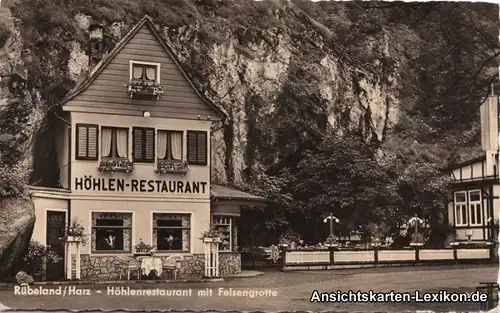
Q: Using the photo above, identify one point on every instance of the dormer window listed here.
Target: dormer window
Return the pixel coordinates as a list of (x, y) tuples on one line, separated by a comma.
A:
[(144, 79)]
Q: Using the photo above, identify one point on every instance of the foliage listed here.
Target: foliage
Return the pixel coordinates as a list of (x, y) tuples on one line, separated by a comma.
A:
[(343, 177), (116, 164), (169, 166), (143, 248), (212, 232), (36, 255), (290, 237), (76, 231), (4, 34)]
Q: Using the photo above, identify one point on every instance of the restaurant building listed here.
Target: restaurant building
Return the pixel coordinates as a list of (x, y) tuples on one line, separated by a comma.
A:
[(475, 204), (134, 155)]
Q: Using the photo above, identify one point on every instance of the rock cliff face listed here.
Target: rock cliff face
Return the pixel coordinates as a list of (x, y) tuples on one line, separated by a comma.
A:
[(286, 74), (22, 113)]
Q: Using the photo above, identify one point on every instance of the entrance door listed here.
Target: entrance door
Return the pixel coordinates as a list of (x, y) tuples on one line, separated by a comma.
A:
[(56, 221)]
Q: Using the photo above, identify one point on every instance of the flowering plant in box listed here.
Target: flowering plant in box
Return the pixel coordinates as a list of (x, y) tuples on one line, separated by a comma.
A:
[(74, 232), (212, 234), (143, 248), (116, 164), (171, 166), (144, 88)]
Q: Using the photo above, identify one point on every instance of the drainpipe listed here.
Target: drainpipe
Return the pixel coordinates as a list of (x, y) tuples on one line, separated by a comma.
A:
[(69, 161)]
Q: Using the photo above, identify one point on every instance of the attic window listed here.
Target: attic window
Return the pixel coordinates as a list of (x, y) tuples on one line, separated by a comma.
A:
[(145, 72), (144, 79)]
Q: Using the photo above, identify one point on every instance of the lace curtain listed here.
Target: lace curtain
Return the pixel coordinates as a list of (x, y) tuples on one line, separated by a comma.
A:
[(150, 73), (106, 141), (170, 141), (137, 72), (162, 144), (122, 143), (176, 145)]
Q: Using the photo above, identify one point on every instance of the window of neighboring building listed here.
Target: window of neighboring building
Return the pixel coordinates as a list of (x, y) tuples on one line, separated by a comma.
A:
[(170, 145), (143, 144), (144, 72), (227, 226), (461, 208), (172, 232), (86, 141), (197, 147), (111, 232), (114, 142), (475, 208)]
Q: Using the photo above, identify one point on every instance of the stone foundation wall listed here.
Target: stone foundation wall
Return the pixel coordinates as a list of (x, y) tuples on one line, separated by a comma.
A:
[(115, 267), (229, 263)]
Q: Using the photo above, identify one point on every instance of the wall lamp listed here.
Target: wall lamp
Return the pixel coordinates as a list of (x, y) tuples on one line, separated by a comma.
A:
[(146, 114)]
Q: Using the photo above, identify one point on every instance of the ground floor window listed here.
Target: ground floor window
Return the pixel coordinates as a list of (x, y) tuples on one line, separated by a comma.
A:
[(172, 232), (468, 207), (111, 232), (227, 226)]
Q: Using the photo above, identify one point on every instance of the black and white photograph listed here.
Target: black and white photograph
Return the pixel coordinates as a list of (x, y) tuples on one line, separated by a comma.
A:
[(240, 155)]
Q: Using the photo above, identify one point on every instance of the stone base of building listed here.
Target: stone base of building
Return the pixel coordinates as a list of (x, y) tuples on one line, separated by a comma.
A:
[(116, 267)]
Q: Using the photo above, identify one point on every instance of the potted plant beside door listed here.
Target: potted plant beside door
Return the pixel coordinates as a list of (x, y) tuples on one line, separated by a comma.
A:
[(74, 232), (212, 235), (34, 258)]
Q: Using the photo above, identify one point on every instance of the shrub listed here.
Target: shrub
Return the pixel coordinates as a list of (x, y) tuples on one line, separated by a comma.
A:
[(36, 255), (4, 34)]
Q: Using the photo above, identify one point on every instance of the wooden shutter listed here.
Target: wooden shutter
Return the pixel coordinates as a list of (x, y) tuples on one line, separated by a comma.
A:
[(149, 144), (202, 148), (191, 147), (87, 138), (93, 139), (137, 141), (143, 144), (197, 147), (81, 141)]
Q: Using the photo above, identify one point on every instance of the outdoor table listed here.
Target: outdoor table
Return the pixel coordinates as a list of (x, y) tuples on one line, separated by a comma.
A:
[(148, 264)]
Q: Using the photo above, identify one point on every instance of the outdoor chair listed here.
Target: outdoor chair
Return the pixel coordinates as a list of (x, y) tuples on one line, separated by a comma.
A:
[(173, 263), (131, 264)]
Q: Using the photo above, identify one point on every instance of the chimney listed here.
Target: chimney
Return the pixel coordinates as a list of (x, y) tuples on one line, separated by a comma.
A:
[(96, 44), (489, 131)]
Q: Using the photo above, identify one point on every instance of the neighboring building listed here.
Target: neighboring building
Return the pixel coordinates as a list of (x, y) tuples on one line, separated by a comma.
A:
[(134, 155), (475, 205)]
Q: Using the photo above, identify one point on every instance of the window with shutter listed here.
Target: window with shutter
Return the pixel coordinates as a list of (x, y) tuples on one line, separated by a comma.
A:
[(197, 147), (87, 140), (143, 145)]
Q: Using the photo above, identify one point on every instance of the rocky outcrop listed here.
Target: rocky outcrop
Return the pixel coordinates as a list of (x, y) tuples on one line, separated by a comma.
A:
[(21, 116)]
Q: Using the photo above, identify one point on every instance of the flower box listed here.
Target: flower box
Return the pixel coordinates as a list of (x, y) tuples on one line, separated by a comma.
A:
[(212, 240), (74, 238), (144, 89), (169, 166), (142, 253), (116, 164)]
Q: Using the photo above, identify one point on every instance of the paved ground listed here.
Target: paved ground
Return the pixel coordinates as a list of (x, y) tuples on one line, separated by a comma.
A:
[(293, 291)]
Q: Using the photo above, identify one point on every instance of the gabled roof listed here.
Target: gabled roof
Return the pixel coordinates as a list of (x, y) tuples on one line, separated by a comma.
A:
[(224, 193), (146, 20), (465, 163)]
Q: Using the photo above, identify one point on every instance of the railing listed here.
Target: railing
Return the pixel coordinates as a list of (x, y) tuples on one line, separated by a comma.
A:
[(491, 289), (334, 258)]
